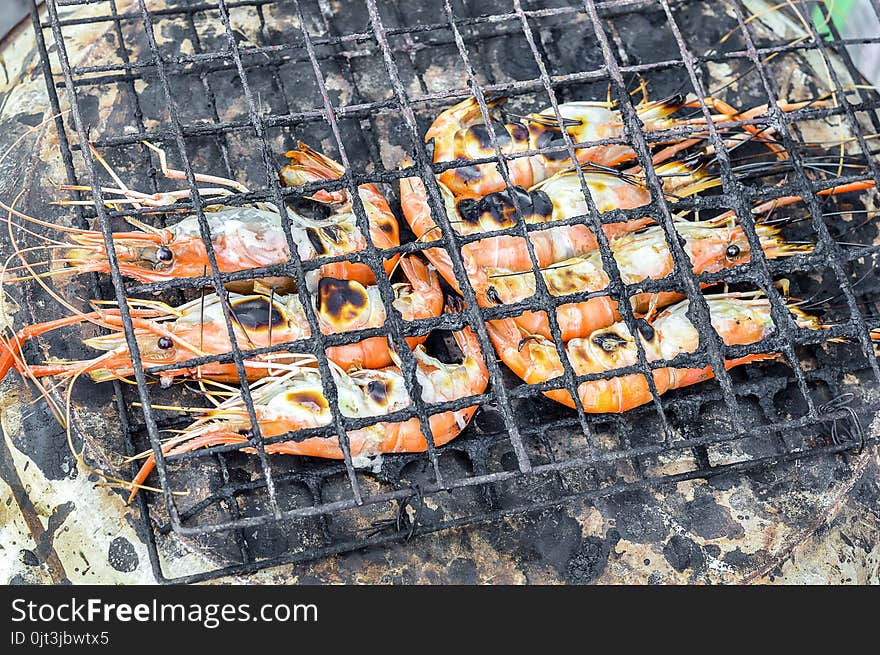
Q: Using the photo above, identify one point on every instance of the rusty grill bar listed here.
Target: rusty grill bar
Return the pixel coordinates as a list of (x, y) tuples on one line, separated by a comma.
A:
[(390, 43)]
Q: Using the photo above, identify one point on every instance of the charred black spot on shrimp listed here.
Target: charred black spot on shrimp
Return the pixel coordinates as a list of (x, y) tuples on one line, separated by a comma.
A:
[(341, 300), (379, 391), (609, 341), (496, 208), (518, 132), (646, 329), (483, 137), (333, 232), (551, 138), (468, 173), (542, 206), (386, 226), (315, 240), (256, 314), (313, 401), (500, 208), (676, 101)]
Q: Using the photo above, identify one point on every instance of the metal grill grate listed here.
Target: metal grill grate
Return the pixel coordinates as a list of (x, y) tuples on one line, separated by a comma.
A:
[(360, 77)]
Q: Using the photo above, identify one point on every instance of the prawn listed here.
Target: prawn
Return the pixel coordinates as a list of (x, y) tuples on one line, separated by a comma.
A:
[(243, 237), (739, 319), (308, 166), (295, 401), (559, 198), (168, 335), (710, 245), (460, 133)]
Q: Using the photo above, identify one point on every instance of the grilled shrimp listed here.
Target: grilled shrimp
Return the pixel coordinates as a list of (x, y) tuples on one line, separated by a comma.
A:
[(295, 401), (168, 335), (307, 166), (245, 237), (737, 320), (460, 133), (559, 198), (710, 245)]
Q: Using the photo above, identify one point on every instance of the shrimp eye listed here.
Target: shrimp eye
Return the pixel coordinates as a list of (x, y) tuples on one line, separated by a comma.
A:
[(492, 294), (165, 343), (164, 254), (732, 251)]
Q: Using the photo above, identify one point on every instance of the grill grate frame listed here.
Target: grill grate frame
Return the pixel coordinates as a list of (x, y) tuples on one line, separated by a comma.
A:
[(312, 50)]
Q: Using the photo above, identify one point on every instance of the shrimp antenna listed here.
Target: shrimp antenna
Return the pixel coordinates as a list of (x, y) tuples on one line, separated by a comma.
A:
[(811, 304), (202, 314), (869, 213), (547, 121), (785, 221)]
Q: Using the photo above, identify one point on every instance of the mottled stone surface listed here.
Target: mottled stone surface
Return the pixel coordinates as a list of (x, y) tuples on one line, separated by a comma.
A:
[(815, 521)]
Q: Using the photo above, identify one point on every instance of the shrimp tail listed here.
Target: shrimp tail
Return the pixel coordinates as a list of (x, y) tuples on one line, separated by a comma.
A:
[(420, 276), (467, 341), (464, 114), (307, 166), (508, 340)]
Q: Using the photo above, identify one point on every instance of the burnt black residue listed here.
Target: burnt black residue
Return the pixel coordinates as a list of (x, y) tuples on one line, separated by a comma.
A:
[(44, 441), (30, 119), (481, 134), (43, 536), (706, 518), (470, 173), (28, 557), (740, 560), (332, 232), (867, 492), (122, 555), (316, 241), (638, 516), (378, 391), (590, 558), (683, 553), (646, 330), (462, 571), (550, 138), (546, 539)]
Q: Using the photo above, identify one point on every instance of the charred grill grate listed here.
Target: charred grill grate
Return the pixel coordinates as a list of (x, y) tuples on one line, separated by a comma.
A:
[(522, 452)]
